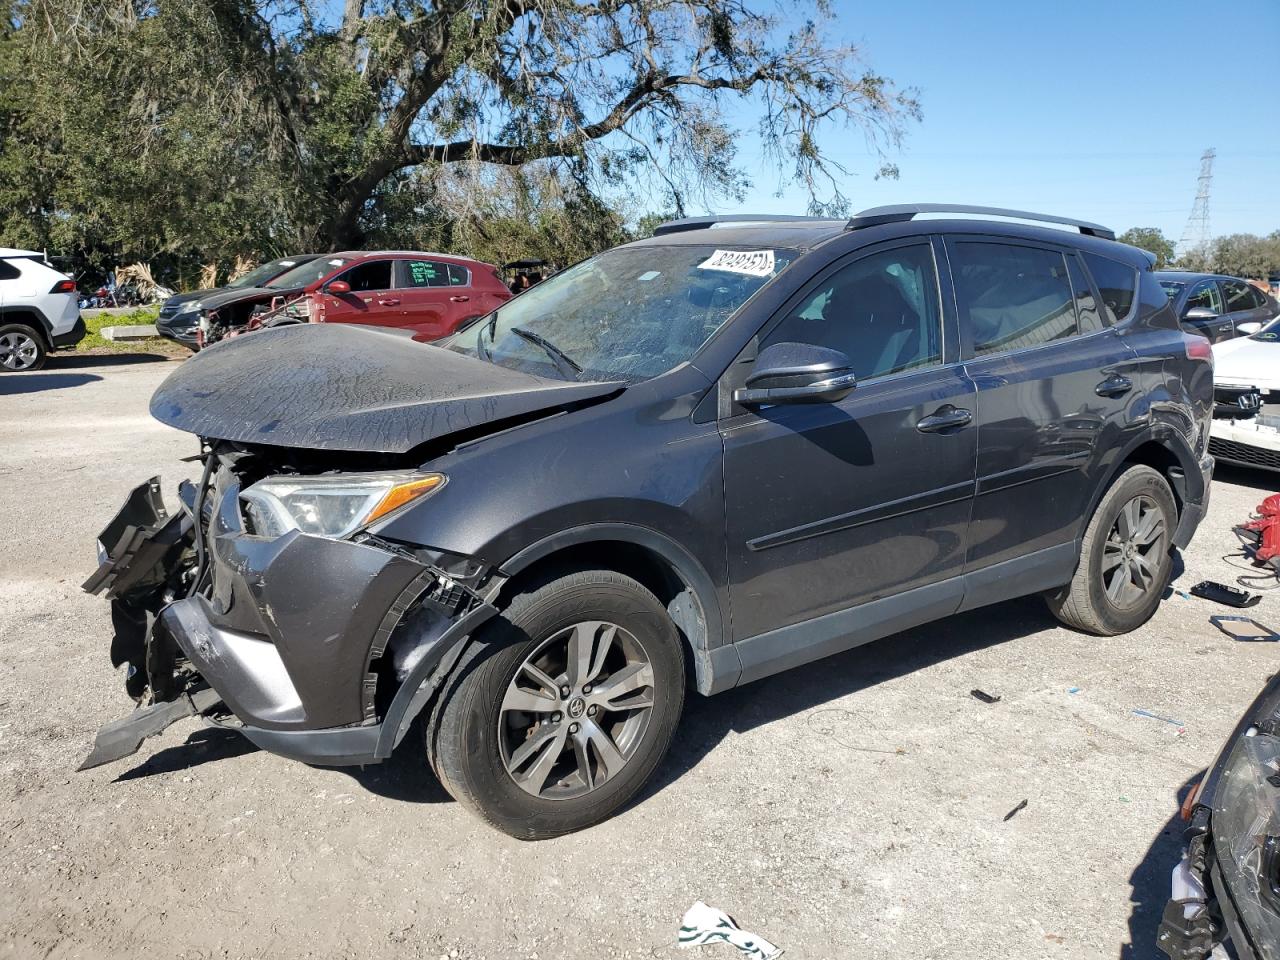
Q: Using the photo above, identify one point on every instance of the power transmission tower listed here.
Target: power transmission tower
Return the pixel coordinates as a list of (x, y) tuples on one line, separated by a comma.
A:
[(1195, 235)]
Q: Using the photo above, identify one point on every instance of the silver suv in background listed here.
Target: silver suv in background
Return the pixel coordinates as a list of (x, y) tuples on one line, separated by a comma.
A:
[(39, 310)]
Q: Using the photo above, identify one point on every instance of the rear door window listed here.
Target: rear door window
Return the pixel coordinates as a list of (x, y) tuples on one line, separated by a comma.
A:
[(424, 273), (1117, 283), (372, 275), (1012, 297)]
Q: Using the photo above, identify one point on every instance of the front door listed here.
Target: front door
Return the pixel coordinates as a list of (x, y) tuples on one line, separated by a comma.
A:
[(371, 299), (832, 505)]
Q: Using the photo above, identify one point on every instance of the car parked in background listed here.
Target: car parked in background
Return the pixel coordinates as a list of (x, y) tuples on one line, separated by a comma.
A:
[(429, 295), (1246, 380), (179, 318), (1215, 306), (740, 445), (39, 310)]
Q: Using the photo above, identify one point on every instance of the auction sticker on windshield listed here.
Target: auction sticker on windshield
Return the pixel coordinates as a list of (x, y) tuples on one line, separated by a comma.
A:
[(751, 263)]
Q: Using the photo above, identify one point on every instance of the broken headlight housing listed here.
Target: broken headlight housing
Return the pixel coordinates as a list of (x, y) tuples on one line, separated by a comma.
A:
[(1246, 836), (334, 506)]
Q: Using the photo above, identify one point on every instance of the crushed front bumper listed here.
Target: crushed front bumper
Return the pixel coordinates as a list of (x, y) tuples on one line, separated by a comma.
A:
[(292, 633)]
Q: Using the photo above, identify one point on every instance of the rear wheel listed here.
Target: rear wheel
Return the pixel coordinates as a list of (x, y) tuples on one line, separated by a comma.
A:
[(21, 348), (1125, 557), (567, 712)]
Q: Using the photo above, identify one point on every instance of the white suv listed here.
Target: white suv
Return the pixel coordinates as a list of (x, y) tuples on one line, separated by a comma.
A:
[(39, 310)]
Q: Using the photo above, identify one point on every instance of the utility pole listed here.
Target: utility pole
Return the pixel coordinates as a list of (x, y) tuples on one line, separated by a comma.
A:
[(1195, 235)]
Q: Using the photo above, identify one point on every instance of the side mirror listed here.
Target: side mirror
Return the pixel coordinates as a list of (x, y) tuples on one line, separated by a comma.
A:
[(1199, 313), (337, 287), (797, 373), (1248, 329)]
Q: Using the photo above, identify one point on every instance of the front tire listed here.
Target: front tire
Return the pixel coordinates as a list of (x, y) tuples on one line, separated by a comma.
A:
[(567, 711), (1125, 557), (22, 349)]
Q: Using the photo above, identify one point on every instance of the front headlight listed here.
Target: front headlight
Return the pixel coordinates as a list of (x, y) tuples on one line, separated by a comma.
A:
[(1246, 836), (191, 306), (331, 506)]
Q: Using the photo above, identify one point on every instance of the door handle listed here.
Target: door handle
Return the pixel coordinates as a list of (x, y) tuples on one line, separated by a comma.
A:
[(1114, 386), (459, 299), (389, 303), (945, 418)]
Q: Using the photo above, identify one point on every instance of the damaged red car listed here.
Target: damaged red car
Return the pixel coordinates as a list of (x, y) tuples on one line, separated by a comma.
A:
[(428, 294)]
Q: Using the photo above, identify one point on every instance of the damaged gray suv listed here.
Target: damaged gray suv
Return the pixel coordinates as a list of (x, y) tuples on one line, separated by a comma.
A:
[(686, 463)]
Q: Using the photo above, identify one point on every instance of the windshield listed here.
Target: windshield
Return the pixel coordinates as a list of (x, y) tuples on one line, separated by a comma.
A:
[(627, 314), (308, 273), (262, 273), (1172, 288)]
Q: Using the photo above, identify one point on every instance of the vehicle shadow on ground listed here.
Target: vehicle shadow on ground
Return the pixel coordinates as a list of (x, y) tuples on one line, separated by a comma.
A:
[(207, 745), (708, 720), (79, 361), (405, 775), (1150, 883), (16, 383)]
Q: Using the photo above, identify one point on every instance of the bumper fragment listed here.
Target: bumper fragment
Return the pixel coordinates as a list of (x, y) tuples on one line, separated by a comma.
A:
[(123, 737)]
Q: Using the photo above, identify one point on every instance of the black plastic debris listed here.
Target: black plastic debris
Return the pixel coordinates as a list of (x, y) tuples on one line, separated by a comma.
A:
[(1222, 593), (1014, 812), (983, 696)]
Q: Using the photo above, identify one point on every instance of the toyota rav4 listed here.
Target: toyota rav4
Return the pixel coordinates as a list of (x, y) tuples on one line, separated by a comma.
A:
[(689, 462)]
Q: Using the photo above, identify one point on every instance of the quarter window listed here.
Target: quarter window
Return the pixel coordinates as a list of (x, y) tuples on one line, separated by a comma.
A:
[(8, 271), (373, 275), (881, 311), (1205, 294), (1012, 297), (1117, 284), (457, 275)]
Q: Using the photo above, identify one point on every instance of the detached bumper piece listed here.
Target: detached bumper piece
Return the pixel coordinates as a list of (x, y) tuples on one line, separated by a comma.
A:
[(123, 737)]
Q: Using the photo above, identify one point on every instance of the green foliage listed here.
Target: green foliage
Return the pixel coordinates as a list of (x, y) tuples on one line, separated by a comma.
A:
[(94, 322), (1153, 241), (184, 132)]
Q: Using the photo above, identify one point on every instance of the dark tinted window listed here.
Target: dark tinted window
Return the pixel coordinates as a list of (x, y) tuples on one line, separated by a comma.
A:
[(8, 271), (1153, 297), (458, 276), (1086, 305), (881, 311), (373, 275), (1117, 284), (1171, 288), (1012, 297), (1239, 295), (424, 273), (1204, 294)]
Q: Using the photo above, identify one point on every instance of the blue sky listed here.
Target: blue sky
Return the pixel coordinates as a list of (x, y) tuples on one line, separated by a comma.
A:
[(1098, 110)]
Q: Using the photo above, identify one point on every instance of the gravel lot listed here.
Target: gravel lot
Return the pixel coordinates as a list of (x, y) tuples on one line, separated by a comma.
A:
[(854, 807)]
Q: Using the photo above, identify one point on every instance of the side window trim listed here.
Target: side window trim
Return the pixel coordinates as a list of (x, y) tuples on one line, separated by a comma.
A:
[(967, 354)]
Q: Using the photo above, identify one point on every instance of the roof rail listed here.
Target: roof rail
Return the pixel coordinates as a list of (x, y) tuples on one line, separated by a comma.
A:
[(897, 213), (741, 219)]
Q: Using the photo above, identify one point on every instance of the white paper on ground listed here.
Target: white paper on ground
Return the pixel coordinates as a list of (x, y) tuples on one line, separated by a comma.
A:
[(703, 924)]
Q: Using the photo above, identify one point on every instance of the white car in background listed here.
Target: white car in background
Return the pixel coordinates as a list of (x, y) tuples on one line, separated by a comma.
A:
[(39, 310), (1246, 380)]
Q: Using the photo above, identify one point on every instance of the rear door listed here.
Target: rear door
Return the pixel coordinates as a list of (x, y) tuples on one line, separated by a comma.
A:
[(372, 298), (831, 505), (434, 296), (1053, 381)]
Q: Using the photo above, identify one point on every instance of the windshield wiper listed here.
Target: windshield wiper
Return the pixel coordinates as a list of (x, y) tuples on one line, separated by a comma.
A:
[(564, 363)]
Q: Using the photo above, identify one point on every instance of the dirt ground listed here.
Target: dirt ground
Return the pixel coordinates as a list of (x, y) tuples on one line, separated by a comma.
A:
[(852, 808)]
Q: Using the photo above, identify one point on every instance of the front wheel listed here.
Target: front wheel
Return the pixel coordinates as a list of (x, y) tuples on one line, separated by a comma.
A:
[(569, 710), (1125, 557)]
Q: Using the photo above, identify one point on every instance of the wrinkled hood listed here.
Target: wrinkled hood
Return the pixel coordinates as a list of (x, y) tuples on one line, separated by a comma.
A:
[(1248, 362), (345, 387), (224, 297)]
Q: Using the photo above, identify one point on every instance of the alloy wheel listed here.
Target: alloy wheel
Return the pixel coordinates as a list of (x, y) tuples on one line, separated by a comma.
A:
[(1133, 552), (18, 351), (576, 710)]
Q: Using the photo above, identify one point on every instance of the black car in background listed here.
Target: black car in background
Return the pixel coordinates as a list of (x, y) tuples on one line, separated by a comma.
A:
[(693, 461), (180, 315), (1215, 306)]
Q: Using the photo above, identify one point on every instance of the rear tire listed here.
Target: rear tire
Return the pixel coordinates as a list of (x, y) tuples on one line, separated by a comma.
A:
[(507, 740), (1125, 557), (22, 348)]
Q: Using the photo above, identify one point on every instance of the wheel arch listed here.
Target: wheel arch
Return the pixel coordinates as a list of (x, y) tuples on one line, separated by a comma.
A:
[(654, 560), (28, 317), (1164, 449)]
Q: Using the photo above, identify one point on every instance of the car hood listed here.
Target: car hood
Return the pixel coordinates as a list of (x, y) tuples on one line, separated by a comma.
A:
[(180, 298), (344, 387), (225, 297), (1247, 361)]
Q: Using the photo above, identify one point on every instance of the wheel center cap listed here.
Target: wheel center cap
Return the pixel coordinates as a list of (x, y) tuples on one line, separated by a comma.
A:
[(577, 707)]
